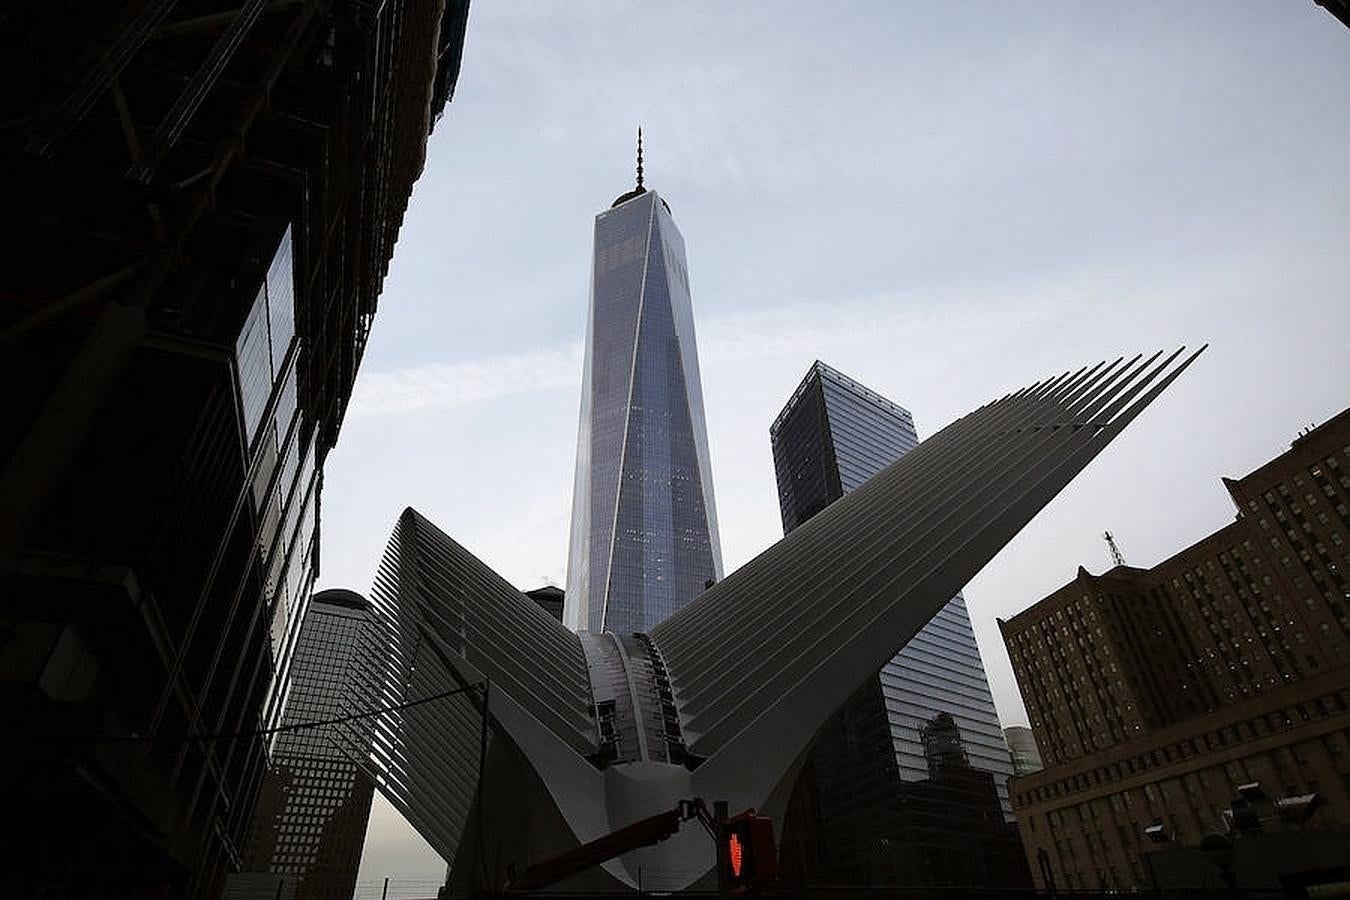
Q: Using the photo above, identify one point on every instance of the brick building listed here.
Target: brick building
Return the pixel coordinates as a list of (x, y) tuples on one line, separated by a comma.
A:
[(1154, 693)]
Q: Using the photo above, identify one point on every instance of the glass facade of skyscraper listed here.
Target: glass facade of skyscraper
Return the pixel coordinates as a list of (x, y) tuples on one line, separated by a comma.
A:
[(285, 482), (644, 527), (310, 825), (833, 435)]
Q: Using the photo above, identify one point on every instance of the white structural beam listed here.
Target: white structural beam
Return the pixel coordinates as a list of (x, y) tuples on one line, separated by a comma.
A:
[(445, 620), (736, 683), (847, 589), (765, 656)]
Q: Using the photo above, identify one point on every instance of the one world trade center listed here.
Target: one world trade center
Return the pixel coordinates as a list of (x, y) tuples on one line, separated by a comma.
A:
[(644, 526)]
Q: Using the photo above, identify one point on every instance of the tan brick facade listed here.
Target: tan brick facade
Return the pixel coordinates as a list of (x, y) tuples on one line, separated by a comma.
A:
[(1153, 693), (1089, 815)]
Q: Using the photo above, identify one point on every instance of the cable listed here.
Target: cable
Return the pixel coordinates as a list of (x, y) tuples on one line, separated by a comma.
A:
[(237, 735)]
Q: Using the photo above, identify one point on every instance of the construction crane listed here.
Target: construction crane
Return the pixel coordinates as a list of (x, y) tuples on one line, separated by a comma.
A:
[(1116, 556)]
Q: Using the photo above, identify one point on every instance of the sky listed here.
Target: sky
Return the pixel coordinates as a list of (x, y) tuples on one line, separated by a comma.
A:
[(945, 201)]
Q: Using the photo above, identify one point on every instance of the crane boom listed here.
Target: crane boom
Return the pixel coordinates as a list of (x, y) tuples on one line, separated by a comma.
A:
[(642, 833)]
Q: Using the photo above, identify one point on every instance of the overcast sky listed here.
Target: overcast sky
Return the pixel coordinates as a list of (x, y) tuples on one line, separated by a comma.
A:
[(946, 201)]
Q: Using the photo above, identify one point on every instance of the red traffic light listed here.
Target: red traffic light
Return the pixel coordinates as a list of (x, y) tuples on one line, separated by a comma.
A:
[(735, 855), (749, 856)]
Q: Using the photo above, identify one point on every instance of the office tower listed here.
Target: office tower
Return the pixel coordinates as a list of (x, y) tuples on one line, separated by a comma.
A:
[(550, 599), (200, 204), (310, 824), (831, 437), (644, 526), (1155, 693), (591, 732), (1026, 758)]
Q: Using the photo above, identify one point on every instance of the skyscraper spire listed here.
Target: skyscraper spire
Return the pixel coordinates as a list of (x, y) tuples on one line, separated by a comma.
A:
[(639, 190), (644, 523), (639, 181)]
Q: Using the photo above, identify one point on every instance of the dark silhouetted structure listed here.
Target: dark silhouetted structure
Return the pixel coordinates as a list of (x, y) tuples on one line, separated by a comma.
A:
[(1338, 8), (950, 829), (1154, 694), (200, 203)]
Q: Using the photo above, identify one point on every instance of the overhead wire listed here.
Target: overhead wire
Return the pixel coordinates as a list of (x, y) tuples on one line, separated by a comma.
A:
[(241, 735)]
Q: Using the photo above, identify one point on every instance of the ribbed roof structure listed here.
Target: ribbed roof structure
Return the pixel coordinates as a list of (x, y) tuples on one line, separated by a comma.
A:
[(740, 679), (448, 621)]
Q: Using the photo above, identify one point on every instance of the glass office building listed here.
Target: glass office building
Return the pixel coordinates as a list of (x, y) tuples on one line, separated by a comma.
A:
[(310, 826), (284, 483), (832, 436), (644, 525)]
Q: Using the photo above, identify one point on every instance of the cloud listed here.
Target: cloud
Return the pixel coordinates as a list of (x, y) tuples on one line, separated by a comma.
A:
[(812, 328), (457, 384), (795, 330)]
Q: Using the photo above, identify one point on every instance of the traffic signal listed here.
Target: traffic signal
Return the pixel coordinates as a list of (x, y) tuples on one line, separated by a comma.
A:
[(749, 860)]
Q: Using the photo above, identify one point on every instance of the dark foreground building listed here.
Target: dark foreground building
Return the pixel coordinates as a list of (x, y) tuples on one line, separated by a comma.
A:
[(1208, 694), (871, 807), (950, 825), (310, 824), (200, 202)]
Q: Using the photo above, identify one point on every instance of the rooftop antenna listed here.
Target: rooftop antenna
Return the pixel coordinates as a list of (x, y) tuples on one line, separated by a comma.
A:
[(1116, 556), (639, 181)]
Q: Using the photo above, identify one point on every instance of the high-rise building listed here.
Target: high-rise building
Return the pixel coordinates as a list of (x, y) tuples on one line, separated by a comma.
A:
[(1026, 757), (550, 599), (310, 824), (644, 525), (1154, 694), (200, 205), (831, 437)]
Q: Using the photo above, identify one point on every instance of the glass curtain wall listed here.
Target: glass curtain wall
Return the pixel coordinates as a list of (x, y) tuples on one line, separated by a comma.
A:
[(284, 479), (833, 435), (644, 532)]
